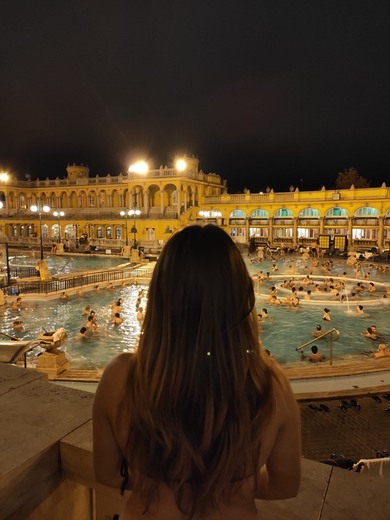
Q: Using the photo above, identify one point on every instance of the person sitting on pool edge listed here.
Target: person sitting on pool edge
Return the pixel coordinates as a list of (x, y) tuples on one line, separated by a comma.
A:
[(315, 356)]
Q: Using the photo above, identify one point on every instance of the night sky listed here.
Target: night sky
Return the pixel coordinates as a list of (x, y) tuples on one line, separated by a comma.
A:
[(264, 93)]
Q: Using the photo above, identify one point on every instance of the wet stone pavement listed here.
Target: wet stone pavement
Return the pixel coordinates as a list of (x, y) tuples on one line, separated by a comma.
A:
[(353, 427)]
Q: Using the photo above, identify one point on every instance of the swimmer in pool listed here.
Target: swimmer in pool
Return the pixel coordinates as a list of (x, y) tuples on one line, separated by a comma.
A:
[(318, 331), (359, 310), (315, 356), (17, 325), (326, 315), (371, 333), (140, 314), (117, 320), (87, 310), (83, 333), (17, 303)]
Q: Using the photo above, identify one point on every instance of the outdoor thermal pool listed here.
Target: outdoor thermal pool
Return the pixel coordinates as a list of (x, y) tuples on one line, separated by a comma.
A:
[(282, 332)]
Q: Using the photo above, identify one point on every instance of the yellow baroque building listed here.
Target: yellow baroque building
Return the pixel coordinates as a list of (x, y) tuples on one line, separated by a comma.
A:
[(111, 212)]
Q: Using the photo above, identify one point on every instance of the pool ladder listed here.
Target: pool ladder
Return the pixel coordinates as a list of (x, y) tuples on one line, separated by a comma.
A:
[(333, 334)]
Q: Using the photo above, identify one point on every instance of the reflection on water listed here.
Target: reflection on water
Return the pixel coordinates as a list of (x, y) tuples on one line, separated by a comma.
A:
[(286, 328)]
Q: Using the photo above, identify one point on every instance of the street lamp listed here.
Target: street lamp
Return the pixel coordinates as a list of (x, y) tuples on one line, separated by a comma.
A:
[(181, 165), (131, 213), (40, 210), (140, 167), (58, 215)]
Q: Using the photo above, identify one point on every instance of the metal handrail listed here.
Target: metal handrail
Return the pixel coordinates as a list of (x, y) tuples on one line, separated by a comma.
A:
[(321, 336)]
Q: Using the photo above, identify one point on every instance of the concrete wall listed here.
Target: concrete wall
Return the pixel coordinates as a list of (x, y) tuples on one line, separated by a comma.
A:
[(46, 464)]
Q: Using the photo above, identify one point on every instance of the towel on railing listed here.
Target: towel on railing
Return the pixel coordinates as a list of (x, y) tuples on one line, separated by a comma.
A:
[(375, 467)]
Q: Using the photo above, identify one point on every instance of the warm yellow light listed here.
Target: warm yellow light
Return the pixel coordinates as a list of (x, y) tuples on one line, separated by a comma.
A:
[(140, 167), (181, 165), (4, 177), (35, 209)]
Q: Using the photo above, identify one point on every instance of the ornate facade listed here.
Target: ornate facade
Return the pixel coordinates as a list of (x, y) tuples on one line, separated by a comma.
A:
[(167, 199)]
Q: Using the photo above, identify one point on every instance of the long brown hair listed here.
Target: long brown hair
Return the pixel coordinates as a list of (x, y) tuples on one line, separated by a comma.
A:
[(201, 388)]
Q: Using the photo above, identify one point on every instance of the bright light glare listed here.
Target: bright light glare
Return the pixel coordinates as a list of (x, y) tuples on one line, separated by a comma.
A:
[(58, 213), (4, 177), (181, 165), (135, 212), (1, 205), (140, 167), (35, 209)]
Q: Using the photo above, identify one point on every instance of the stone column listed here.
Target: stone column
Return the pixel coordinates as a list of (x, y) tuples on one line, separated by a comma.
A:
[(270, 230), (321, 225), (380, 233), (295, 232), (178, 201), (162, 202), (146, 201)]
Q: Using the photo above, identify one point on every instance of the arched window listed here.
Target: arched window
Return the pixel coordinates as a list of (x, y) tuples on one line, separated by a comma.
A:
[(337, 212), (367, 212), (259, 213), (238, 213), (283, 213), (309, 212)]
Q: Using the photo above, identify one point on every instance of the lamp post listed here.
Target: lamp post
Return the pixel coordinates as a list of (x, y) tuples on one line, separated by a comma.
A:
[(58, 215), (134, 213), (141, 168), (126, 214), (40, 210), (131, 213)]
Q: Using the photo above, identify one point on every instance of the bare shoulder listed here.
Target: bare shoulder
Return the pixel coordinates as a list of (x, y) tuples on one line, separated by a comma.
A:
[(283, 395), (119, 364), (113, 381)]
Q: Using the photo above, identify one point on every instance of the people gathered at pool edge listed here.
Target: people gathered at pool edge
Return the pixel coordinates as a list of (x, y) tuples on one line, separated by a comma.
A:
[(200, 421)]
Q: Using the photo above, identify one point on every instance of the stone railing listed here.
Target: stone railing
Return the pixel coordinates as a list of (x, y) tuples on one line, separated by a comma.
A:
[(46, 463)]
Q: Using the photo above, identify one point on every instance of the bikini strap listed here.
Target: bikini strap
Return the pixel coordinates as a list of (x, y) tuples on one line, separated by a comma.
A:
[(124, 475)]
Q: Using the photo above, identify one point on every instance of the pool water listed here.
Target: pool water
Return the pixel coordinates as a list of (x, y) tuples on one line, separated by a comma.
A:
[(95, 350), (65, 264), (286, 328)]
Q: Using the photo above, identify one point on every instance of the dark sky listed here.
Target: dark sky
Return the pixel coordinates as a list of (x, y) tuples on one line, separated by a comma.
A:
[(264, 92)]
